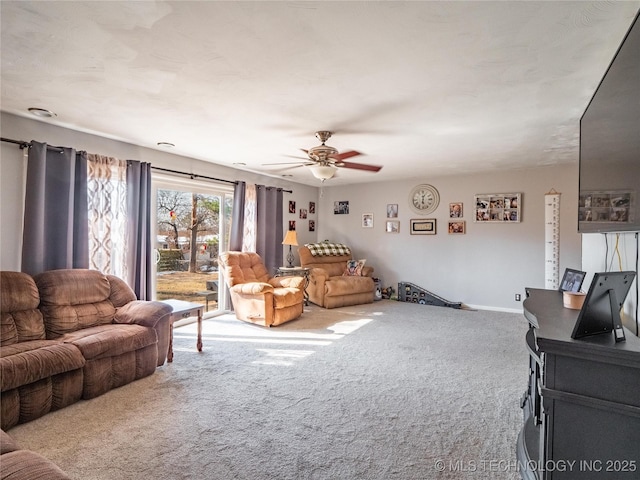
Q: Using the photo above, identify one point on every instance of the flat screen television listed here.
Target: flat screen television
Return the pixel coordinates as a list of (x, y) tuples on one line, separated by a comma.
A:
[(600, 312), (610, 145)]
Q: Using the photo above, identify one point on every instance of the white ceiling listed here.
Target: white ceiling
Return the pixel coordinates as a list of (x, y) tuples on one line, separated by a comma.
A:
[(421, 88)]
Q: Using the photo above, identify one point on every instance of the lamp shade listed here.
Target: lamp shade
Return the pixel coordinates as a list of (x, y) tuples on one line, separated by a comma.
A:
[(290, 238), (323, 172)]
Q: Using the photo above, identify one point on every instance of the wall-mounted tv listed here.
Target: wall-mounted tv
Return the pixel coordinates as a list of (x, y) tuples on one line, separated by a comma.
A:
[(610, 145)]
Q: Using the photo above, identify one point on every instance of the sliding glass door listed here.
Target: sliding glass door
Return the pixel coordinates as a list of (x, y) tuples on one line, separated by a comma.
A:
[(192, 225)]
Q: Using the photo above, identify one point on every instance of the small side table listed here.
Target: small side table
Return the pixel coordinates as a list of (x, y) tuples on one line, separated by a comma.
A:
[(208, 295), (182, 309), (296, 272)]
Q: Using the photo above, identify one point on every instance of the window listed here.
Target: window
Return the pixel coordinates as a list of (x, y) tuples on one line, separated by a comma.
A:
[(192, 224)]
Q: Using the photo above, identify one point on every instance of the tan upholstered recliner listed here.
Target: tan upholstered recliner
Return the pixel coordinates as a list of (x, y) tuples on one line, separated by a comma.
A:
[(328, 287), (256, 296)]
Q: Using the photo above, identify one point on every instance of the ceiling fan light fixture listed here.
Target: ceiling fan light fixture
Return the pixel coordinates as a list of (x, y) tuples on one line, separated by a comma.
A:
[(323, 172)]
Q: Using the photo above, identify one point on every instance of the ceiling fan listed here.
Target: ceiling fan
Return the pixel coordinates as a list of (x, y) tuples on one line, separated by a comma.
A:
[(324, 160)]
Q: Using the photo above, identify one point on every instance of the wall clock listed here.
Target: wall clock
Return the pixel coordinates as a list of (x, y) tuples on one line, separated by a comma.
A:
[(424, 199)]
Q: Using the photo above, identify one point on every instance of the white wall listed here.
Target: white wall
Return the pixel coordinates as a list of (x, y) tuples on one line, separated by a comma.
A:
[(12, 172), (485, 267), (598, 258)]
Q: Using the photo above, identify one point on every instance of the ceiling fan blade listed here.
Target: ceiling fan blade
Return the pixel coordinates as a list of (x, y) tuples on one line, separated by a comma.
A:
[(343, 155), (360, 166), (286, 169), (290, 163)]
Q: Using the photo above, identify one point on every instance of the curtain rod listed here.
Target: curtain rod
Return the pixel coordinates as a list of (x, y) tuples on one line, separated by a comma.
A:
[(195, 175), (21, 143), (24, 144)]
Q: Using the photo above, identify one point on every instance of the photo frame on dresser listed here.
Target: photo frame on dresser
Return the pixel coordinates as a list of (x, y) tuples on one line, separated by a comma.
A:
[(572, 280), (600, 312)]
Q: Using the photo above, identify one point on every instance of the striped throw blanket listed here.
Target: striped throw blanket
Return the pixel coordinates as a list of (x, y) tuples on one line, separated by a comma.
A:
[(326, 248)]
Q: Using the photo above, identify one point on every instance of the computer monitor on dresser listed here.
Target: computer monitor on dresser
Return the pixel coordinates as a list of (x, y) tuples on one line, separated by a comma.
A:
[(600, 312)]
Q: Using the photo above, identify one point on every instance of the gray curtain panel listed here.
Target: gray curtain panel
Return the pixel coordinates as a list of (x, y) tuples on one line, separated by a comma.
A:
[(237, 217), (56, 227), (269, 230), (139, 242)]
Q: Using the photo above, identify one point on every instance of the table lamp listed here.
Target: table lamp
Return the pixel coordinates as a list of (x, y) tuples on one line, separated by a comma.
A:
[(290, 239)]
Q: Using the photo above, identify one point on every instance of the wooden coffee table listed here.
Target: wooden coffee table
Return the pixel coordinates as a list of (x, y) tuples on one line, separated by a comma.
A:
[(182, 309)]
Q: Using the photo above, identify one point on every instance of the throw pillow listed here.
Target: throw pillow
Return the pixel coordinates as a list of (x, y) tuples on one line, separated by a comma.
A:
[(354, 268)]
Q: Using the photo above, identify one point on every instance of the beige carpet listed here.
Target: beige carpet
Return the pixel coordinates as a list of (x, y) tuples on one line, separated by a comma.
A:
[(388, 390)]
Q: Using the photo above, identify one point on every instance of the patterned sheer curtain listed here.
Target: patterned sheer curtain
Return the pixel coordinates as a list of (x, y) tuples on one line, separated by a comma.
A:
[(107, 206), (250, 219)]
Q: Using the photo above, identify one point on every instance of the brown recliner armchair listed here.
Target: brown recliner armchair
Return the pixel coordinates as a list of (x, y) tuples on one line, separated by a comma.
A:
[(256, 296)]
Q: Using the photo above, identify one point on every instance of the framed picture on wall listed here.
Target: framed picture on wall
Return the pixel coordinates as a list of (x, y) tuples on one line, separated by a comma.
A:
[(392, 226), (498, 208), (367, 220), (312, 225), (392, 210), (458, 227), (422, 226), (312, 207), (341, 207), (455, 210), (292, 206)]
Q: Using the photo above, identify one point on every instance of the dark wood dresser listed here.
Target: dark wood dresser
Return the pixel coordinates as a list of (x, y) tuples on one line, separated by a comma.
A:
[(582, 404)]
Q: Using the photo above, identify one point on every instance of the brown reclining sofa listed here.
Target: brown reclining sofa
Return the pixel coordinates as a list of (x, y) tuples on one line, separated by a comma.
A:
[(73, 334), (329, 287)]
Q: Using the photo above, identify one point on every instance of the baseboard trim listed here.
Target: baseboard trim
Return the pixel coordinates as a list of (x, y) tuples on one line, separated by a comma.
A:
[(493, 309)]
